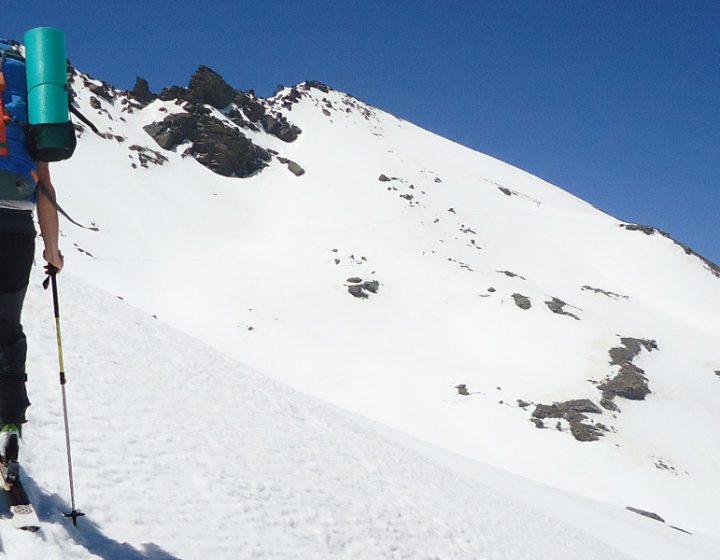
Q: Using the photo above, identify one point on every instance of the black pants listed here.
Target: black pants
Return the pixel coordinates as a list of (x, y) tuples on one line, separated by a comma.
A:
[(17, 251)]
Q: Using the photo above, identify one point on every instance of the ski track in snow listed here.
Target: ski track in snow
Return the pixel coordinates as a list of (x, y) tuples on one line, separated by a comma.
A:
[(180, 452)]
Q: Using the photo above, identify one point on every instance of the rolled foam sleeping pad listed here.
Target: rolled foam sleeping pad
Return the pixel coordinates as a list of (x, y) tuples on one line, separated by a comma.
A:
[(46, 69)]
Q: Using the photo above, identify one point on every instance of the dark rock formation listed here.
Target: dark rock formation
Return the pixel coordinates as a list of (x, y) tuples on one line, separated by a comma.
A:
[(384, 178), (523, 302), (357, 291), (511, 274), (277, 125), (607, 293), (208, 87), (104, 91), (574, 411), (316, 85), (630, 349), (557, 306), (644, 513), (462, 389), (173, 93), (505, 191), (629, 383), (251, 107), (294, 168), (361, 289), (371, 286), (147, 155), (141, 91), (648, 230), (221, 148)]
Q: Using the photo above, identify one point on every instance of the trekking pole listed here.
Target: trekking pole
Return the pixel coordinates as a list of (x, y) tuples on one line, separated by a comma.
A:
[(52, 279)]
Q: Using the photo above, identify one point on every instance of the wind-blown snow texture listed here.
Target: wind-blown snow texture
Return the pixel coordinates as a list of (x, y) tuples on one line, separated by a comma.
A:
[(259, 268)]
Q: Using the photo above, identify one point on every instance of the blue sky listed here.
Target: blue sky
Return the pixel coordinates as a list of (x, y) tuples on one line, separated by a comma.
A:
[(617, 102)]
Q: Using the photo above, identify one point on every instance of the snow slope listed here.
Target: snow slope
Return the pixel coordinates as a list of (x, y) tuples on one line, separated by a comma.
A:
[(258, 268), (181, 452)]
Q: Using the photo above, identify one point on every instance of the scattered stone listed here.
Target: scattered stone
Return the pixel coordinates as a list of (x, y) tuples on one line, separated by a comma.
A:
[(95, 102), (644, 513), (451, 210), (538, 423), (556, 306), (360, 288), (717, 372), (511, 274), (371, 286), (462, 389), (681, 530), (294, 168), (147, 155), (612, 295), (523, 302), (522, 403), (505, 191), (357, 291), (384, 178), (491, 290)]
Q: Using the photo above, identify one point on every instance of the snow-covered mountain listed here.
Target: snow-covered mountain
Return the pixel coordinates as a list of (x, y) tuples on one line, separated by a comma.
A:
[(433, 290)]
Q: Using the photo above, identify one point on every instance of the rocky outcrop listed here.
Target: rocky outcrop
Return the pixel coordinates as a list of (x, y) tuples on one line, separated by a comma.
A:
[(141, 91), (221, 148), (173, 93), (630, 382), (251, 107), (575, 412), (557, 306), (277, 125), (649, 230), (208, 87)]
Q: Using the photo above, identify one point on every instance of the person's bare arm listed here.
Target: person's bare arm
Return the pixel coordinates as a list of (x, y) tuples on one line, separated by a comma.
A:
[(48, 219)]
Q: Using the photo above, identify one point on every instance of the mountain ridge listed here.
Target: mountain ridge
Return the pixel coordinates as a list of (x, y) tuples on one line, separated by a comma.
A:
[(400, 265)]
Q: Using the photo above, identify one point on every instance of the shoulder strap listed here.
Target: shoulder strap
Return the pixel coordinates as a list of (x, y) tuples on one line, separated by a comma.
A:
[(83, 118), (3, 133), (51, 197)]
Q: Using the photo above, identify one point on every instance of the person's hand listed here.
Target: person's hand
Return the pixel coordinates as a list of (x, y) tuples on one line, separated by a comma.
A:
[(54, 258)]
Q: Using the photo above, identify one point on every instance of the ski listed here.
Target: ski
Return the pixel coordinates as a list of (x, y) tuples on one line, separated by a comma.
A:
[(23, 513)]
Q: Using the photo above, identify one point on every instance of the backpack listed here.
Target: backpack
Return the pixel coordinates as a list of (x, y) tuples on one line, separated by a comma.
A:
[(18, 178)]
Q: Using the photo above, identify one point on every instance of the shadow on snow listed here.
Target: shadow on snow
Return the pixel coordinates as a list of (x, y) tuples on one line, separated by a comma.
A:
[(50, 508)]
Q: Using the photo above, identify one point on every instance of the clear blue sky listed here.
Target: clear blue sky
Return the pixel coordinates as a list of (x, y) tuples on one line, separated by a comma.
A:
[(616, 101)]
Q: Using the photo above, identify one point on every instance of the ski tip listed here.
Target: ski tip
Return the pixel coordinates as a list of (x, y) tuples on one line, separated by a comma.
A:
[(74, 514)]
